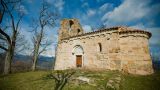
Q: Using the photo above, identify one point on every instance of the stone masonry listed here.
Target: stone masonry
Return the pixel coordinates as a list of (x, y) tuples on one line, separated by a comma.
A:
[(116, 48)]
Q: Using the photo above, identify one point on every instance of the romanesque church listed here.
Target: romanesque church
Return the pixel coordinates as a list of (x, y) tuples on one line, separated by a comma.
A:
[(117, 48)]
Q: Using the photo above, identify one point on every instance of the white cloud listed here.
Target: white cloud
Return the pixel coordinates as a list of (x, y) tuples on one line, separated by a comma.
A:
[(51, 36), (50, 51), (139, 26), (59, 4), (91, 12), (27, 37), (106, 6), (154, 30), (87, 28), (21, 8), (155, 35), (85, 5), (132, 13), (129, 10)]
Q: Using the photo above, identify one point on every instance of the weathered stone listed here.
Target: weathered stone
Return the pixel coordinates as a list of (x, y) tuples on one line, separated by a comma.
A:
[(118, 78), (116, 48), (84, 79), (114, 83)]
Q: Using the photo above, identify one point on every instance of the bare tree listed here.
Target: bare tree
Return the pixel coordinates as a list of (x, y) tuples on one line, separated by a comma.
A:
[(46, 18), (22, 44), (9, 9), (61, 78)]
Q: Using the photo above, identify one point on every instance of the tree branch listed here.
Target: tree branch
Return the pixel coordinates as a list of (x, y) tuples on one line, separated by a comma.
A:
[(3, 48), (14, 1), (18, 22), (1, 14), (44, 49), (6, 35), (2, 38), (12, 18), (46, 44)]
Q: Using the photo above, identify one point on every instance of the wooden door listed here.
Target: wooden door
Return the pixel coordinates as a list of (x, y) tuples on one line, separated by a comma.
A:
[(79, 60)]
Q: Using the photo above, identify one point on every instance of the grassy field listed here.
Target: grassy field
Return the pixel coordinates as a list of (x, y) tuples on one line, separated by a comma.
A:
[(38, 81)]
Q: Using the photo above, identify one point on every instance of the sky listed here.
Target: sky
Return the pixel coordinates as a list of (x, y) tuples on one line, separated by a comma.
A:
[(141, 14)]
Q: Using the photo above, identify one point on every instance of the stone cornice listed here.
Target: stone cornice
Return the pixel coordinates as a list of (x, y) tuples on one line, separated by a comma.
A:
[(120, 29), (137, 31)]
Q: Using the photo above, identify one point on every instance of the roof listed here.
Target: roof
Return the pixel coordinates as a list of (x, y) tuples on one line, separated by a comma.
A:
[(121, 30)]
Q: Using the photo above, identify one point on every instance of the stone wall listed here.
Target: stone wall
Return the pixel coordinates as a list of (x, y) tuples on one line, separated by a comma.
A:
[(135, 53), (69, 27), (92, 57), (127, 52)]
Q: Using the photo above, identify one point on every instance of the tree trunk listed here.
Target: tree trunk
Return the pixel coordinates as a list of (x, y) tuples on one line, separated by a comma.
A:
[(8, 61), (60, 84), (10, 54), (36, 49), (7, 64), (35, 58)]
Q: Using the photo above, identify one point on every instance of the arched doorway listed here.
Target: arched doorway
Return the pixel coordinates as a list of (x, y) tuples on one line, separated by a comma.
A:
[(78, 54)]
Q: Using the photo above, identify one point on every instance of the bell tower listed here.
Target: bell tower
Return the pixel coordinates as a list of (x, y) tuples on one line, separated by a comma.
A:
[(69, 28)]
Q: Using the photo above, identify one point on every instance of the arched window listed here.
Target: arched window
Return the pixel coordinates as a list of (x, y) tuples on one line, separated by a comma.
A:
[(71, 23), (78, 30), (100, 47)]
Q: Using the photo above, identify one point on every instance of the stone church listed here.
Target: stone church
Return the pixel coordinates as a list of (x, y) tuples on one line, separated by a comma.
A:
[(116, 48)]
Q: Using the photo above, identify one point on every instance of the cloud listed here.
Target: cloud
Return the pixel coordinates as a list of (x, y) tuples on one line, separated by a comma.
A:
[(106, 7), (91, 12), (85, 5), (51, 36), (155, 35), (87, 28), (50, 51), (21, 8), (139, 26), (59, 4), (129, 11), (140, 14), (154, 30)]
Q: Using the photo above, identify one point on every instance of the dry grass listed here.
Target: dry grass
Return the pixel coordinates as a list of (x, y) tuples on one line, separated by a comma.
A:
[(38, 81)]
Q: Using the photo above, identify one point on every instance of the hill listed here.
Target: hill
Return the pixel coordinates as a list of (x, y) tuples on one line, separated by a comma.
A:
[(24, 63), (81, 80)]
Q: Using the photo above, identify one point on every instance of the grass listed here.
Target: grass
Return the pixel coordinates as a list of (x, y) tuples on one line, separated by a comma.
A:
[(150, 82), (26, 81), (37, 81)]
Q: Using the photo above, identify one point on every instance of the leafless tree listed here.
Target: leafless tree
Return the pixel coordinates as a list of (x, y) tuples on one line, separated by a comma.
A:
[(9, 9), (22, 44), (45, 18), (61, 78)]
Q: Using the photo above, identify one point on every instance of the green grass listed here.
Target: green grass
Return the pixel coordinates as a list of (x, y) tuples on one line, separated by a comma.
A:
[(26, 81), (37, 81), (150, 82)]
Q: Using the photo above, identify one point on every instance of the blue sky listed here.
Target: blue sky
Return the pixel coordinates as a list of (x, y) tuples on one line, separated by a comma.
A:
[(142, 14)]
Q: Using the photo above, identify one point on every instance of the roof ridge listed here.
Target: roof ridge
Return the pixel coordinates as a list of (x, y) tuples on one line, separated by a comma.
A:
[(121, 29)]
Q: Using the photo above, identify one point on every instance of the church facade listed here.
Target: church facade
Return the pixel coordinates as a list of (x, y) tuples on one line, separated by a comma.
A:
[(116, 48)]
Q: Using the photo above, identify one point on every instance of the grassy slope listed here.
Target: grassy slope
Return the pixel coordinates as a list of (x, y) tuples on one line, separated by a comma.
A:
[(37, 81)]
